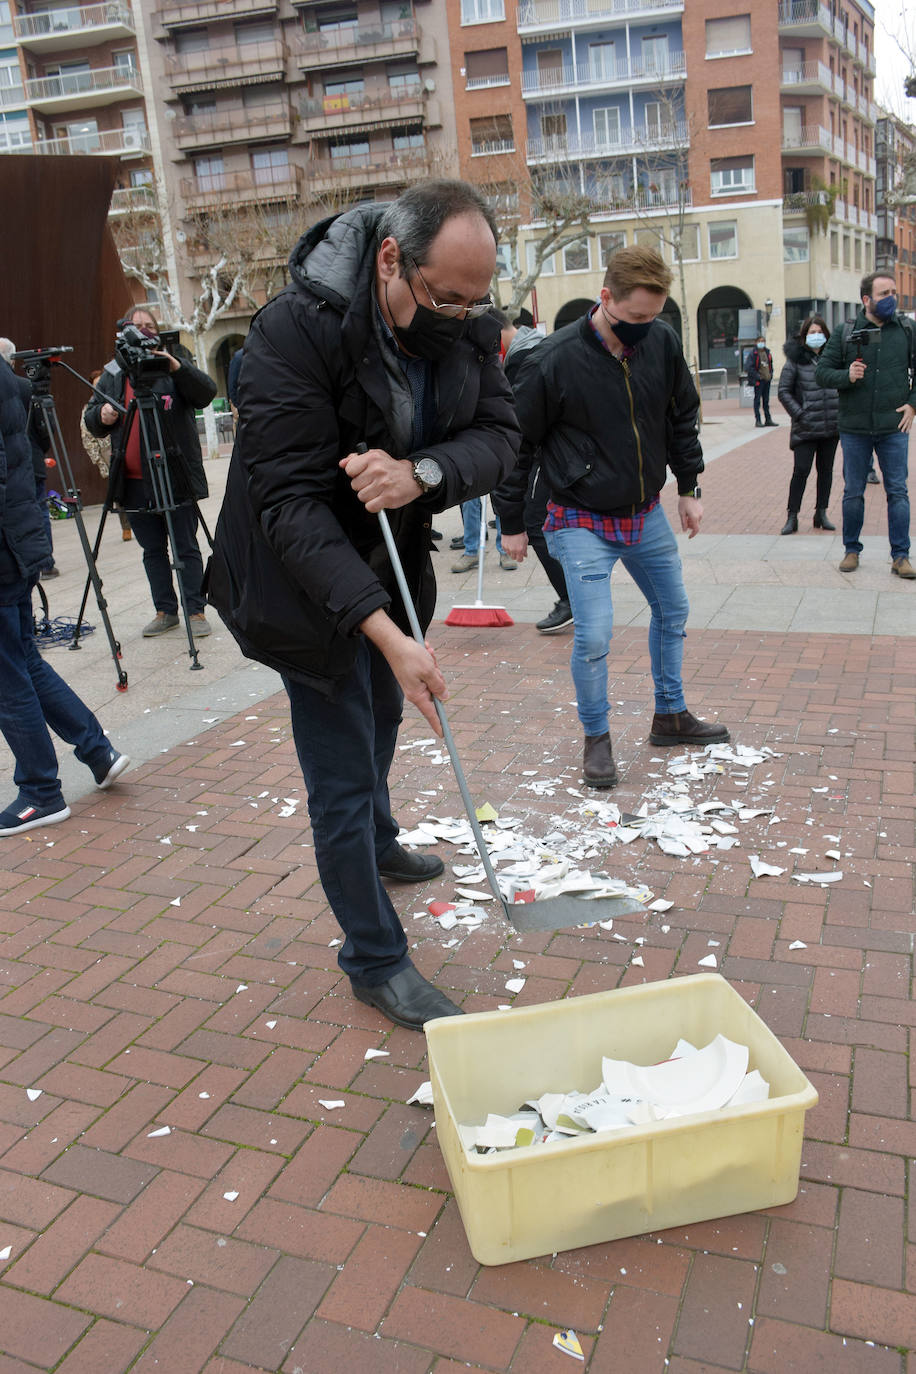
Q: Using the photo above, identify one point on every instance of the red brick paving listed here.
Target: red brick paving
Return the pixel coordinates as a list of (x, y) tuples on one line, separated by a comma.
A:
[(344, 1248)]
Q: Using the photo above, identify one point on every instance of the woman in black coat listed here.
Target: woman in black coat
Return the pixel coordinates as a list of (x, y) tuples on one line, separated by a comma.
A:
[(815, 430)]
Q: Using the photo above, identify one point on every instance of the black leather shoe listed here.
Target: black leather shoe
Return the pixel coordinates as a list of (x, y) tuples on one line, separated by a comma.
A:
[(598, 766), (555, 620), (791, 525), (771, 424), (680, 727), (406, 866), (407, 999), (822, 521), (872, 477)]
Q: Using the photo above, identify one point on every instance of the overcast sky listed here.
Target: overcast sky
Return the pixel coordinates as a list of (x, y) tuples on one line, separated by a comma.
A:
[(892, 66)]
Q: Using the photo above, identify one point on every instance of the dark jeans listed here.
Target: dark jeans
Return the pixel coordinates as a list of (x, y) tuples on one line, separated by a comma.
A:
[(891, 451), (762, 398), (152, 536), (535, 515), (821, 452), (345, 748), (32, 697)]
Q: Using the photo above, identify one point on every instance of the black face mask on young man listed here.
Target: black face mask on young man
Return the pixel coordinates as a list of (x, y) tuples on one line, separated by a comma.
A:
[(628, 334), (429, 334)]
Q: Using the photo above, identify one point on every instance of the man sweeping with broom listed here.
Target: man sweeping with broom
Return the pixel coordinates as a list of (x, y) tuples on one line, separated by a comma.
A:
[(372, 382)]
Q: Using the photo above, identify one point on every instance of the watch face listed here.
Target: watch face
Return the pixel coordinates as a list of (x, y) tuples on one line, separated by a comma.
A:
[(428, 472)]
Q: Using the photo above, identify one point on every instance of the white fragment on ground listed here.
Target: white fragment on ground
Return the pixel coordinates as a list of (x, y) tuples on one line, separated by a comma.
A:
[(176, 901), (833, 876), (163, 1130), (331, 1103), (518, 963), (6, 1252), (638, 960), (376, 1054), (660, 904), (270, 1024), (423, 1096), (231, 1196), (332, 944), (204, 1096), (33, 1094), (763, 870), (798, 944), (710, 961), (515, 984), (242, 987)]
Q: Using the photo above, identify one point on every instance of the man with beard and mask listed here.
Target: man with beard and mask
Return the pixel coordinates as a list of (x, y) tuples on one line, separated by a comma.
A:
[(871, 364), (382, 340), (606, 405)]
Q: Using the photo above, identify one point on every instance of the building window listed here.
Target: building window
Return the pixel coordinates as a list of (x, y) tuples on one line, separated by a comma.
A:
[(505, 261), (482, 11), (6, 25), (210, 173), (124, 61), (354, 86), (14, 134), (731, 176), (857, 254), (655, 54), (548, 266), (834, 248), (608, 245), (690, 243), (191, 40), (795, 243), (356, 153), (723, 239), (333, 23), (11, 89), (261, 31), (576, 257), (493, 135), (606, 124), (728, 37), (489, 67), (270, 165), (847, 257), (403, 78), (602, 63), (408, 140), (729, 105)]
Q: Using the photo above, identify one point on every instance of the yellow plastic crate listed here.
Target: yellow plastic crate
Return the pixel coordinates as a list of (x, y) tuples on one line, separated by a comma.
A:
[(542, 1198)]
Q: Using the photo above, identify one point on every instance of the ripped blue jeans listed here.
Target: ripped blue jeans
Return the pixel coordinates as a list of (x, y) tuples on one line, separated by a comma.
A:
[(655, 566)]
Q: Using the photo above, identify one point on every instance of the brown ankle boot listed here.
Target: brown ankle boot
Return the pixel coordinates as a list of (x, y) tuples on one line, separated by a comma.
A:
[(598, 767), (680, 727)]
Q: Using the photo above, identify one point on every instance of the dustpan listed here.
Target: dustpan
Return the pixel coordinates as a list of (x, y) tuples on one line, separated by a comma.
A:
[(545, 913)]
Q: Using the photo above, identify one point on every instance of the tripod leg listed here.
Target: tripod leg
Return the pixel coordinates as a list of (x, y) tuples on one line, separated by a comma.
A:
[(95, 553), (62, 458)]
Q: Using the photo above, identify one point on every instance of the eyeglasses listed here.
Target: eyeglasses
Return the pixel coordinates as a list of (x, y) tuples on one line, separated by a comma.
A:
[(469, 312)]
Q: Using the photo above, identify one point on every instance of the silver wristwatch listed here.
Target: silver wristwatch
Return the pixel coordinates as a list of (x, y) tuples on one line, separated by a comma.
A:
[(427, 474)]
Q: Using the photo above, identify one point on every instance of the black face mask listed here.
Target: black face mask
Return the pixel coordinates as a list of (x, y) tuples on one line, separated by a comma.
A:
[(628, 334), (429, 334)]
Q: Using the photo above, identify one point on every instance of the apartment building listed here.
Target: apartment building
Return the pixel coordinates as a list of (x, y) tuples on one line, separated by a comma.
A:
[(747, 137), (895, 186), (79, 88), (296, 107)]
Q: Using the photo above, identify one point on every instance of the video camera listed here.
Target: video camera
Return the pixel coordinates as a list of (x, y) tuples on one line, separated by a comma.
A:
[(137, 351)]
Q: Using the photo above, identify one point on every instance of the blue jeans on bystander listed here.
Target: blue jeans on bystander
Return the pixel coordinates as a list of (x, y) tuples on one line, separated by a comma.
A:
[(891, 452), (655, 566), (32, 697)]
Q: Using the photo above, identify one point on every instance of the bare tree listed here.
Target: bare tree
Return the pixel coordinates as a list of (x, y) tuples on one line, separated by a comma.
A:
[(547, 209)]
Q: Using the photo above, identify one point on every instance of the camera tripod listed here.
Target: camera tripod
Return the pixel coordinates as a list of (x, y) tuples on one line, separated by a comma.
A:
[(37, 364), (143, 410)]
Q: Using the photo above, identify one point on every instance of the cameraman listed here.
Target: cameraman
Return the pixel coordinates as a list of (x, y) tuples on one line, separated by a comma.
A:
[(179, 391), (870, 363)]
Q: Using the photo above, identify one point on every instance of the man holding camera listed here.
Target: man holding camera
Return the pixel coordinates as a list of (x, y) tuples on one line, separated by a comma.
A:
[(871, 365), (180, 389)]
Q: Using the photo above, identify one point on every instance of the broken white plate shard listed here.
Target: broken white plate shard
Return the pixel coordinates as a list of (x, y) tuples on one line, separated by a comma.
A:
[(763, 870), (332, 944), (518, 963), (204, 1096), (33, 1094), (331, 1103), (833, 877), (230, 1197), (473, 895), (448, 920), (753, 1088), (6, 1252), (242, 987), (175, 902), (748, 813), (660, 904), (423, 1096), (270, 1024), (515, 984), (710, 961), (638, 960), (832, 854), (798, 944), (376, 1054), (568, 1342)]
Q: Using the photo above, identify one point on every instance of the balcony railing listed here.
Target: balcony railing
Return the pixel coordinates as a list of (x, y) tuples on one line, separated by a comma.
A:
[(361, 108), (586, 146), (123, 142), (811, 137), (553, 81), (366, 43), (483, 83), (536, 15), (99, 82), (798, 201), (133, 199), (661, 198), (231, 126), (67, 28), (227, 64), (263, 183), (814, 17), (385, 169), (492, 147), (182, 13)]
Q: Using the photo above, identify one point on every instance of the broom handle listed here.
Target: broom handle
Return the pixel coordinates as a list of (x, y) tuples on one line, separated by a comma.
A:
[(480, 549), (440, 712)]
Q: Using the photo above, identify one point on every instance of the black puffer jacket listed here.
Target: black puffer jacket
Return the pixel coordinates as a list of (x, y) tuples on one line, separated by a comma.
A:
[(180, 393), (298, 562), (24, 544), (814, 409), (604, 431)]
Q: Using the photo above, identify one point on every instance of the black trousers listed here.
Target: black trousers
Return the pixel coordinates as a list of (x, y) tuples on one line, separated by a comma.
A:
[(821, 452), (535, 515)]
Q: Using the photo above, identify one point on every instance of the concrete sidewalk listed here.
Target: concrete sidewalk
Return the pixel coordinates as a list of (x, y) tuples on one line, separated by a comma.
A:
[(166, 960)]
